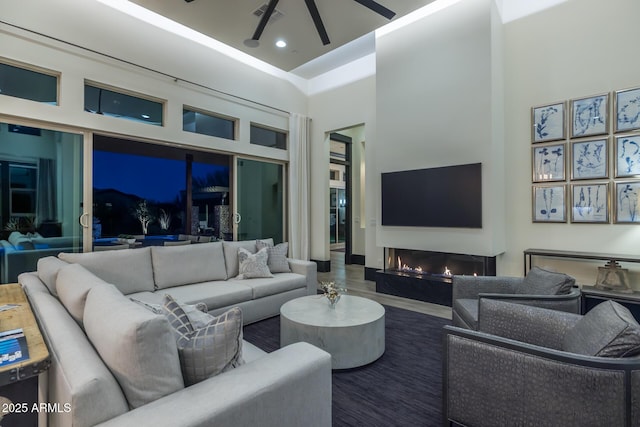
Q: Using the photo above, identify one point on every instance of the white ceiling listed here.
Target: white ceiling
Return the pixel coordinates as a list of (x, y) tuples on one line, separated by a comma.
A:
[(233, 21)]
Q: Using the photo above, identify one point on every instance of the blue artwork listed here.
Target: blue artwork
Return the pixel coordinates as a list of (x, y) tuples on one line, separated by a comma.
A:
[(627, 202), (548, 204), (628, 110), (590, 203), (548, 122), (589, 159), (589, 116), (627, 155), (548, 163)]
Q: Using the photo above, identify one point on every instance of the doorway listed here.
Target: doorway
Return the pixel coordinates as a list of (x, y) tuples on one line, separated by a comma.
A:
[(340, 194)]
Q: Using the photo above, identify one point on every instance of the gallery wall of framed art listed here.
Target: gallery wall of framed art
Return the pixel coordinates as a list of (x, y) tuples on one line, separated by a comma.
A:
[(585, 159)]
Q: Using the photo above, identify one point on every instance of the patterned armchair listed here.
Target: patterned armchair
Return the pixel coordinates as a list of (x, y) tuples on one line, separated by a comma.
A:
[(533, 366), (540, 288)]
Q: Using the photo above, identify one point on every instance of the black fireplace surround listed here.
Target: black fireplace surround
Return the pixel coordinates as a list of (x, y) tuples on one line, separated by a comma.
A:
[(426, 275)]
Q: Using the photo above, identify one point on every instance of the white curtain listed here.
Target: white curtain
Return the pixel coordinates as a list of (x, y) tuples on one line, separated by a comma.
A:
[(299, 181)]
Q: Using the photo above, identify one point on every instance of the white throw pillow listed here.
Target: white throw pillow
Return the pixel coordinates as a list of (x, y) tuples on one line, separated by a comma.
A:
[(209, 350), (253, 265)]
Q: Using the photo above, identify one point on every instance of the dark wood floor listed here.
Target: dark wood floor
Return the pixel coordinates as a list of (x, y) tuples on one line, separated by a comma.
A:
[(352, 278)]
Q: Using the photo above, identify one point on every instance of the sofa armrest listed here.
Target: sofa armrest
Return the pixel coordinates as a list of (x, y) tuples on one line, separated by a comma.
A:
[(569, 302), (524, 323), (289, 388), (309, 269), (471, 286)]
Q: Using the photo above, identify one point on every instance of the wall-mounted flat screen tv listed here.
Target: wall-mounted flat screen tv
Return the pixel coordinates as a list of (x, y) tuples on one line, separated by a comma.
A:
[(449, 196)]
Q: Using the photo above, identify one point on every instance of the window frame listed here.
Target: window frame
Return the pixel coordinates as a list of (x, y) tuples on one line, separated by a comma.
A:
[(131, 93), (234, 120), (36, 69)]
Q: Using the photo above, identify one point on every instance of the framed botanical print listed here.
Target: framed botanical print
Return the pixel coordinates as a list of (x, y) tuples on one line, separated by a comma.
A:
[(627, 156), (626, 202), (589, 159), (590, 203), (548, 163), (549, 203), (627, 110), (548, 122), (589, 116)]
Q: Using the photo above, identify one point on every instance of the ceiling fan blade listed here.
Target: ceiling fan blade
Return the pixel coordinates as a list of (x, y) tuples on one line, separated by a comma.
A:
[(317, 20), (265, 18), (377, 8)]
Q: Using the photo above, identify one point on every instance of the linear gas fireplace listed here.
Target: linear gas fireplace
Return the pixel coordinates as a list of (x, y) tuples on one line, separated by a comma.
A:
[(427, 275)]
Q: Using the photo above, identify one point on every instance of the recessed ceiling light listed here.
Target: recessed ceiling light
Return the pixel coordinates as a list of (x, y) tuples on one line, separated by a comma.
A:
[(281, 43)]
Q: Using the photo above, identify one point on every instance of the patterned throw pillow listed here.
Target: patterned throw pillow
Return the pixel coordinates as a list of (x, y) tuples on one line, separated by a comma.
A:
[(207, 351), (277, 260), (253, 265)]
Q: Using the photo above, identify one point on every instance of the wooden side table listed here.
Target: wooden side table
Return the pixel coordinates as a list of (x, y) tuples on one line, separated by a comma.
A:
[(19, 380)]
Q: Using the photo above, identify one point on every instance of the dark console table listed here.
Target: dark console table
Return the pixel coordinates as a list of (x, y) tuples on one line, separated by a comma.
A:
[(592, 296)]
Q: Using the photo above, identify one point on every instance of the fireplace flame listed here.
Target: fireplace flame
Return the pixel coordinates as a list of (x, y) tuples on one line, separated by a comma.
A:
[(447, 272)]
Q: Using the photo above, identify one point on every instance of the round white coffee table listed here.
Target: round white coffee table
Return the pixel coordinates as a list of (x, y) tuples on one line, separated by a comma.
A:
[(352, 332)]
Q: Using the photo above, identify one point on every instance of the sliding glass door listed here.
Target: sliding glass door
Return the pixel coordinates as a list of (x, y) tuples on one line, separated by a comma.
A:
[(41, 196), (260, 200)]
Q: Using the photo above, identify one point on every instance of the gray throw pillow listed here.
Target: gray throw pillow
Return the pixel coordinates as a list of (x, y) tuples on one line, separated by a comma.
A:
[(207, 351), (607, 330), (253, 265), (277, 260), (542, 282)]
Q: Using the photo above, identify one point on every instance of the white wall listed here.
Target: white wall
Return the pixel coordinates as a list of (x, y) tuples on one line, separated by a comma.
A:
[(438, 104), (573, 50), (338, 109)]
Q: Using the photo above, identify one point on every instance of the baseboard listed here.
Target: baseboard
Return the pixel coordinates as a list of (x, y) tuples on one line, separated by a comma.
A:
[(357, 259), (370, 273), (323, 266)]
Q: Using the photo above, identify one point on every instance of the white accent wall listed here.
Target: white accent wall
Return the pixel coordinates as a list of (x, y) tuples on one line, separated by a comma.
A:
[(439, 105)]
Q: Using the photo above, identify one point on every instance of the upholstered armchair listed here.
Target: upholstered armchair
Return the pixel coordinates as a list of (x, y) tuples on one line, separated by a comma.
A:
[(533, 366), (540, 288)]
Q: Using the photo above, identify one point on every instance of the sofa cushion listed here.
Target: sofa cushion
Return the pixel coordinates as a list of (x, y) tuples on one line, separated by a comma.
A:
[(137, 345), (207, 351), (77, 375), (279, 283), (252, 265), (197, 313), (467, 309), (182, 265), (130, 270), (607, 330), (73, 284), (543, 282), (277, 262), (47, 269), (214, 294)]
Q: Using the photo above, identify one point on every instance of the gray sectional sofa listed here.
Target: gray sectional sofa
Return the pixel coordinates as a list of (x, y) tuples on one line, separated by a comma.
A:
[(73, 296)]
